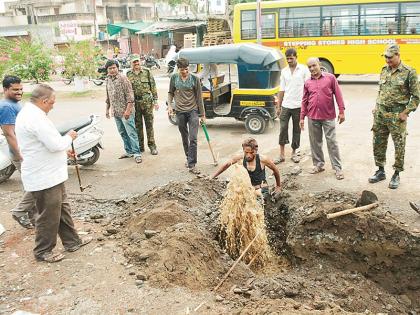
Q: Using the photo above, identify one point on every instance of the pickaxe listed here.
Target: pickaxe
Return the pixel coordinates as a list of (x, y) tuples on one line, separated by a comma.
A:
[(203, 125), (82, 188)]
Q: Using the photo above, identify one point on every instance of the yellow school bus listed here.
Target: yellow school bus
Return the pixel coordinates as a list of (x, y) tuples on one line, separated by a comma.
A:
[(349, 37)]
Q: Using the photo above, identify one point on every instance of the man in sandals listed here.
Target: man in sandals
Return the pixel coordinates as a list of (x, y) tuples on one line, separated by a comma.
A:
[(318, 105), (9, 109), (255, 165), (185, 90), (290, 99), (44, 171), (120, 98)]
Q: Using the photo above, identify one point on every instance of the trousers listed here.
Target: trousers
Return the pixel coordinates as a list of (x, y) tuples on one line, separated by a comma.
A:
[(188, 123), (316, 129), (54, 217)]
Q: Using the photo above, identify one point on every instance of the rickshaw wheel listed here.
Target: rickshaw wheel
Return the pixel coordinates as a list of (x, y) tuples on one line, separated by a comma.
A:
[(255, 124)]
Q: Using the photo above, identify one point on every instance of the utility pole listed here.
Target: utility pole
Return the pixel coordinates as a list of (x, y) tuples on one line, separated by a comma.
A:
[(94, 20), (259, 23)]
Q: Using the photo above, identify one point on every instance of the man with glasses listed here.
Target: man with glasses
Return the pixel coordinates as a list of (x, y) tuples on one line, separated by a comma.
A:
[(145, 100), (185, 91), (398, 96)]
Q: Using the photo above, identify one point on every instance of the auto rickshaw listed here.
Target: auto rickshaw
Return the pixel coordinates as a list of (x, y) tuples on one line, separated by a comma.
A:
[(254, 97)]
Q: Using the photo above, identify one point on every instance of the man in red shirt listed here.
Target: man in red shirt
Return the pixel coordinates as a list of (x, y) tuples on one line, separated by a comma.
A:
[(318, 105)]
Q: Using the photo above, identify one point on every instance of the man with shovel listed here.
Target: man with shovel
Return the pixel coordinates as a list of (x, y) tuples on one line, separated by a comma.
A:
[(44, 171), (255, 165)]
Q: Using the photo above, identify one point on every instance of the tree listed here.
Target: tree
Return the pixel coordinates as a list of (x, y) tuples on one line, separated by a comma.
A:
[(29, 60), (79, 59)]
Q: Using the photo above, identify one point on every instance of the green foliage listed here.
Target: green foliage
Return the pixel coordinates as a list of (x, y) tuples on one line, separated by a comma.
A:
[(29, 60), (79, 59)]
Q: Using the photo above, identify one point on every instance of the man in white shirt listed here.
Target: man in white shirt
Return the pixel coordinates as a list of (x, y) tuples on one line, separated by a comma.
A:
[(292, 80), (44, 171)]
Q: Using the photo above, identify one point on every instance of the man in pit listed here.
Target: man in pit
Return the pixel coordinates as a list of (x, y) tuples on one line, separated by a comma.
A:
[(255, 164)]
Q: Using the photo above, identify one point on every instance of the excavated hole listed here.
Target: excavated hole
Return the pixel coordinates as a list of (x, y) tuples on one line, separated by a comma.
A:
[(359, 262)]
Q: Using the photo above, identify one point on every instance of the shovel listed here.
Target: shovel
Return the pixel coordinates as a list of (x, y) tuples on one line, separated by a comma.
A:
[(82, 188), (203, 125)]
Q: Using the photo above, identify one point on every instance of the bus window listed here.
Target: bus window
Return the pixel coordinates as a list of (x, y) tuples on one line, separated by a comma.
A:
[(378, 20), (268, 25), (410, 18), (299, 22), (340, 20), (248, 24)]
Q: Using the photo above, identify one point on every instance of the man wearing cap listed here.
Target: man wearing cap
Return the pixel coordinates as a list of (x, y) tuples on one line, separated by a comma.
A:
[(145, 96), (398, 96)]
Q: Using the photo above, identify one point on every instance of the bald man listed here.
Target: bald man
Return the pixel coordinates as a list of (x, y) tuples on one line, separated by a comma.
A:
[(318, 105)]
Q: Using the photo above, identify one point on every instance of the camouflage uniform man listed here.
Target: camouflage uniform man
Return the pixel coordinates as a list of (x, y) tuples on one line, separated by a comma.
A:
[(145, 96), (398, 96)]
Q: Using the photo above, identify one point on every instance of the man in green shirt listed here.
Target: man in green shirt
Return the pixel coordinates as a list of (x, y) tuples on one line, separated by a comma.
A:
[(398, 96), (145, 99)]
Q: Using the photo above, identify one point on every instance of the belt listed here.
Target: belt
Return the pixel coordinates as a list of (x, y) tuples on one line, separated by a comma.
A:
[(393, 109)]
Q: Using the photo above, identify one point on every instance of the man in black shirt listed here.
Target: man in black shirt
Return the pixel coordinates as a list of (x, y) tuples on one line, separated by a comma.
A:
[(255, 165)]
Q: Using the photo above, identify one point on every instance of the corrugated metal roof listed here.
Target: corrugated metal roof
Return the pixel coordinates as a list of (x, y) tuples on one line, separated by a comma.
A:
[(164, 26)]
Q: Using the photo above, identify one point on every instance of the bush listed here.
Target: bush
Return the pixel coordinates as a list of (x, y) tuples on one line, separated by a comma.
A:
[(79, 59)]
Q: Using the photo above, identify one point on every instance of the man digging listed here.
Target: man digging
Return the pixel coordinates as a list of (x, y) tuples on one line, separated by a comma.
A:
[(255, 164)]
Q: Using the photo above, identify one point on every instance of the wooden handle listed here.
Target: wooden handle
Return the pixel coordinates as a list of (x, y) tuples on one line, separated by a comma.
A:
[(348, 211)]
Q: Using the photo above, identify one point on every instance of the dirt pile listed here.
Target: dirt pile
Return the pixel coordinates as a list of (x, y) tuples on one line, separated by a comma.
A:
[(358, 262)]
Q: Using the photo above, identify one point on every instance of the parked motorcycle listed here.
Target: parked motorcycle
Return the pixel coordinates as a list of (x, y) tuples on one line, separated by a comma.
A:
[(151, 62), (86, 145), (100, 79)]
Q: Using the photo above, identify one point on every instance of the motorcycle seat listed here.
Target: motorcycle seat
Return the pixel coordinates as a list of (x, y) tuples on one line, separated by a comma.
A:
[(75, 124)]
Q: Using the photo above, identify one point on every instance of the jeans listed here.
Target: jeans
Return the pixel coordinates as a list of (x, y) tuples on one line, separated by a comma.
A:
[(128, 133), (188, 123)]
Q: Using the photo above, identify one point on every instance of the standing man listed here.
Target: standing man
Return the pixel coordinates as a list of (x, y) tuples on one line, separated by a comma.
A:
[(9, 109), (398, 96), (185, 90), (145, 98), (120, 97), (318, 104), (292, 80), (44, 171)]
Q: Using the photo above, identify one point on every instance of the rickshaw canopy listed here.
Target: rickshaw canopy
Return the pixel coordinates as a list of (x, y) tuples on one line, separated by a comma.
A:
[(255, 57)]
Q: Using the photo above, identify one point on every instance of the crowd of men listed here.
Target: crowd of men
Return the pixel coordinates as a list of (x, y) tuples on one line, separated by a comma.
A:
[(40, 153)]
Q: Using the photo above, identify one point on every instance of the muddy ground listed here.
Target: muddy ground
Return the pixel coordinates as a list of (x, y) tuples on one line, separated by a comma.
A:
[(156, 247)]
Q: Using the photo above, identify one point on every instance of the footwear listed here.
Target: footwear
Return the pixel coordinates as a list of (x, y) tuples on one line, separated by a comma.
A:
[(377, 177), (394, 182), (23, 220), (415, 206), (51, 257), (279, 160), (84, 241), (316, 170), (296, 158), (154, 151), (126, 156), (194, 170), (142, 150), (138, 159), (339, 175)]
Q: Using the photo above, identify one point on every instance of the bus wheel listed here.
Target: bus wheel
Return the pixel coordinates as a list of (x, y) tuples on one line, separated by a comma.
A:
[(255, 124), (326, 66)]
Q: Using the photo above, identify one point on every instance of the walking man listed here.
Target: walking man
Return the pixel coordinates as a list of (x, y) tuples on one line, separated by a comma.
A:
[(145, 98), (318, 105), (398, 96), (120, 100), (292, 80), (185, 90), (44, 171), (9, 109)]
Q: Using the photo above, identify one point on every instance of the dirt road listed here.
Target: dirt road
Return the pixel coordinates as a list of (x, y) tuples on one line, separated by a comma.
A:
[(97, 280)]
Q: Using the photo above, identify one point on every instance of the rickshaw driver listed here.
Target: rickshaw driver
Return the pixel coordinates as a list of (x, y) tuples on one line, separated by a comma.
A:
[(255, 164), (208, 73)]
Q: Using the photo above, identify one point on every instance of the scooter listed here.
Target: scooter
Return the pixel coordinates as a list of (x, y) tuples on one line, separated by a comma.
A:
[(100, 79), (86, 145), (88, 141)]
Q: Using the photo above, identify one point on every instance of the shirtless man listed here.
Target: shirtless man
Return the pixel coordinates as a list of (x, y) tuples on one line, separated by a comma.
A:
[(255, 165)]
